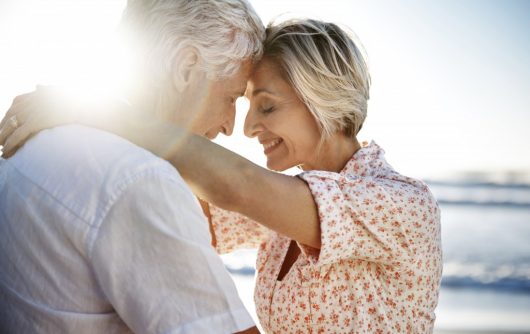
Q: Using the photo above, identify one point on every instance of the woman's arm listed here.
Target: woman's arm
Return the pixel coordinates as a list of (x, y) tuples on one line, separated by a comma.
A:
[(234, 230), (280, 202)]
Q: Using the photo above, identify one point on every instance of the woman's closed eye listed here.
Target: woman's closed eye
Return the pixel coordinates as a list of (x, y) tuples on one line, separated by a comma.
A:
[(267, 110)]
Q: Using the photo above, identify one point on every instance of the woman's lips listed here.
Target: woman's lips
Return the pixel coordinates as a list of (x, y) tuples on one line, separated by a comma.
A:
[(271, 145)]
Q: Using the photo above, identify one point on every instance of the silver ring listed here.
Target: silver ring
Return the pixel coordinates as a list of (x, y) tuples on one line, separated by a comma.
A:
[(14, 121)]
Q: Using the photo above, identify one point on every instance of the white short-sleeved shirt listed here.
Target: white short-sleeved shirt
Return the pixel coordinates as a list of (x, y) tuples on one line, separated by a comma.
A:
[(99, 236), (379, 266)]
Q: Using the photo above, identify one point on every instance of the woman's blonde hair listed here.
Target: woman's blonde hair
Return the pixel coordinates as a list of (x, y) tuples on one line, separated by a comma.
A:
[(326, 69)]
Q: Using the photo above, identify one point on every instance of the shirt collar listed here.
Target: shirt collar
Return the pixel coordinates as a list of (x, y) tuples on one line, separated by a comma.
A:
[(369, 160)]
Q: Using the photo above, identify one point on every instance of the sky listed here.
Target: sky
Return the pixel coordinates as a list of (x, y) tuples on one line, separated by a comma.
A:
[(450, 79)]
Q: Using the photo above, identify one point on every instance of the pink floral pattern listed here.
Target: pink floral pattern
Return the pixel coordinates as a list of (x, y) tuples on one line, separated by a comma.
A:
[(380, 264)]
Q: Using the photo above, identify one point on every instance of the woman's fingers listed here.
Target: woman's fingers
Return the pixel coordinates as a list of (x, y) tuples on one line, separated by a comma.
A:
[(16, 121), (9, 124), (22, 98), (7, 115), (14, 118), (31, 113), (29, 123), (44, 108), (17, 103), (14, 141)]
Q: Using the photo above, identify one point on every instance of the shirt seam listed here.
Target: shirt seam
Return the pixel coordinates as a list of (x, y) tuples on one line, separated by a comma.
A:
[(41, 188), (120, 189)]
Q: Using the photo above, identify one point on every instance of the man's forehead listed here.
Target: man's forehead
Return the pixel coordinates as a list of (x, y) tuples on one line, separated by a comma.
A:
[(238, 89), (237, 83), (240, 81), (246, 69)]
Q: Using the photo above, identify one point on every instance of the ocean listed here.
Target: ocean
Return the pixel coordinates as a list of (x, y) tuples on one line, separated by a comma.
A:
[(486, 245)]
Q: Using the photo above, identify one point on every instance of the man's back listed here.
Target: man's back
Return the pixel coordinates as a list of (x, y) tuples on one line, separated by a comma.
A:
[(98, 235)]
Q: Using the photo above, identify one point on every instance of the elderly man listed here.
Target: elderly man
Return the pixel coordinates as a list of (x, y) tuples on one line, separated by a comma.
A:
[(98, 235)]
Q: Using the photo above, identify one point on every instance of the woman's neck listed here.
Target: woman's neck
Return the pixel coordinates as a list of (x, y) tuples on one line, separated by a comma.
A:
[(334, 154)]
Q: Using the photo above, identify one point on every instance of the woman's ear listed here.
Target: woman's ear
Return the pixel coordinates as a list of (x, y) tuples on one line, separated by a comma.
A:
[(185, 65)]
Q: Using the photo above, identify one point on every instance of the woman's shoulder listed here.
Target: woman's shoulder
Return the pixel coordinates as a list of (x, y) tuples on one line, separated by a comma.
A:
[(367, 173)]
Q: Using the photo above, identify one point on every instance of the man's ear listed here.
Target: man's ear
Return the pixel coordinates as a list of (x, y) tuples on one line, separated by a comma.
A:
[(185, 65)]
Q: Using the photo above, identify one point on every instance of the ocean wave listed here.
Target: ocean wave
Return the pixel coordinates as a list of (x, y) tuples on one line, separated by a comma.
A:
[(244, 271), (479, 184), (506, 204), (506, 277), (514, 275), (508, 284), (482, 194)]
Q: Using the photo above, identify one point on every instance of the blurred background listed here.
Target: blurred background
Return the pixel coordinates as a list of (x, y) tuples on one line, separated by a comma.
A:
[(449, 104)]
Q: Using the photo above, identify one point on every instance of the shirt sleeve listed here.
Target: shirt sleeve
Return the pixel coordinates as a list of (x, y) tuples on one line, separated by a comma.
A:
[(234, 231), (366, 219), (153, 260)]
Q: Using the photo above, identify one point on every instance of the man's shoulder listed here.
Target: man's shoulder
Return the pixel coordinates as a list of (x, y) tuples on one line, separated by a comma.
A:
[(86, 166), (88, 149)]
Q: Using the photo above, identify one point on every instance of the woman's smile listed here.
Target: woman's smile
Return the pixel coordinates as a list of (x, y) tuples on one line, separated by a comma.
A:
[(271, 145), (279, 119)]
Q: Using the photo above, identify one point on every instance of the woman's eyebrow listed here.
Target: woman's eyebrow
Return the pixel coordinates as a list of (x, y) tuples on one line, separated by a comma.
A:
[(258, 91), (261, 90)]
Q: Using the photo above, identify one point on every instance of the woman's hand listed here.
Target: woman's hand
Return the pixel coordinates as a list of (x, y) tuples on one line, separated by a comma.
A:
[(48, 107), (33, 112)]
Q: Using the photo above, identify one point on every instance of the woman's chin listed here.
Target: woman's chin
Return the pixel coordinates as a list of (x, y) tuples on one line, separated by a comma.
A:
[(273, 167), (277, 166)]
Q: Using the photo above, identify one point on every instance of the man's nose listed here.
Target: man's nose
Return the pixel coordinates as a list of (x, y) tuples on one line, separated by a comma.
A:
[(227, 128), (253, 126)]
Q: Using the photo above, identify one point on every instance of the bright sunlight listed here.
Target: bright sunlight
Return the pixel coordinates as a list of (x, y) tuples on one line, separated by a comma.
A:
[(62, 43)]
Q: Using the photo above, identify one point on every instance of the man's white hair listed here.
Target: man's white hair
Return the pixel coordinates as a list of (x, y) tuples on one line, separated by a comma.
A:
[(225, 33)]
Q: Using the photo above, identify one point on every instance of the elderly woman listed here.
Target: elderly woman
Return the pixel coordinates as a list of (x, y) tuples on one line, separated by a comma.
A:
[(347, 246)]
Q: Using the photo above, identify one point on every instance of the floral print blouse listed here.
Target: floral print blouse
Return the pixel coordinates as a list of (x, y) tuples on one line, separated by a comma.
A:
[(379, 266)]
